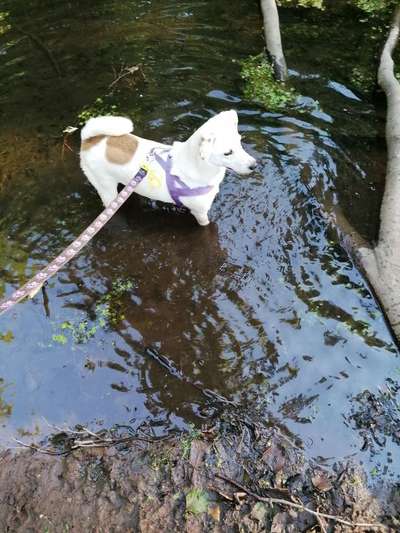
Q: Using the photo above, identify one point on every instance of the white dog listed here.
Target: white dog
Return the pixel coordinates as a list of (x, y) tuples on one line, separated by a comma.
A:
[(187, 173)]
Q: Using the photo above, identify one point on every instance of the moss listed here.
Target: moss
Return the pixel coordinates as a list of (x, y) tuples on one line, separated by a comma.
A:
[(187, 439), (363, 78), (108, 312), (319, 4), (61, 339), (109, 306), (261, 86), (161, 461), (4, 25), (13, 260), (81, 331), (369, 6), (5, 408), (197, 501), (101, 106), (8, 336)]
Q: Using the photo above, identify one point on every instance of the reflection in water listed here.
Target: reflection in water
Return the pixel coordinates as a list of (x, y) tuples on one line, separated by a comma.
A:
[(5, 407), (262, 308)]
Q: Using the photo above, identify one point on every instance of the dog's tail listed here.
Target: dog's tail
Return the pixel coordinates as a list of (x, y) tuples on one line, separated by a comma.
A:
[(106, 126)]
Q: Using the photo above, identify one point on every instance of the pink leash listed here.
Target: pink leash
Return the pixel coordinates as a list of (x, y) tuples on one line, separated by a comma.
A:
[(33, 285)]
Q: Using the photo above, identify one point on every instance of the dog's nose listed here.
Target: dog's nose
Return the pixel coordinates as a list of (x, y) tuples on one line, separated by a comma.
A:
[(253, 166)]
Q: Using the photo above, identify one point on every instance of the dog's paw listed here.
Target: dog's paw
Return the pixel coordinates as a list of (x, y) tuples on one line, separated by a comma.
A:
[(202, 220), (201, 217)]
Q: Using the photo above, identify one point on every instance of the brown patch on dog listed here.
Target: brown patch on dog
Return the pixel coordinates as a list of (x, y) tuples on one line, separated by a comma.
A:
[(92, 141), (121, 149)]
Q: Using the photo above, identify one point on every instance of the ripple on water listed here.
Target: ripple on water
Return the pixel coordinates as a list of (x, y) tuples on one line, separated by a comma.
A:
[(262, 307)]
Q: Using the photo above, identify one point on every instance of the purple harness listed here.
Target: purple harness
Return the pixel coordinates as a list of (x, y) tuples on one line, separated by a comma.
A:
[(176, 187)]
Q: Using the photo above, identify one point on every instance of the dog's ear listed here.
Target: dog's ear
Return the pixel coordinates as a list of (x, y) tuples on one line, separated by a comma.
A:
[(206, 145), (234, 116)]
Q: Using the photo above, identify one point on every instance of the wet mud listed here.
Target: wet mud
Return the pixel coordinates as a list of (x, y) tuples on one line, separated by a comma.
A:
[(224, 477)]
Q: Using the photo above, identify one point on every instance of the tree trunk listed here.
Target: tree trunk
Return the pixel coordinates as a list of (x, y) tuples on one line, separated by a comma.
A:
[(273, 39), (382, 263)]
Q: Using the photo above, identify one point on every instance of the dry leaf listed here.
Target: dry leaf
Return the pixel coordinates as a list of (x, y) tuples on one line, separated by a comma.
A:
[(214, 511), (321, 482)]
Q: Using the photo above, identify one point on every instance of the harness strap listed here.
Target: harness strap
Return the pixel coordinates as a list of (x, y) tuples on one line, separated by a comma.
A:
[(33, 285), (176, 187)]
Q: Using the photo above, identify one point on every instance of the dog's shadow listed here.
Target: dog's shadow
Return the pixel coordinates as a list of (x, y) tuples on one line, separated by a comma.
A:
[(179, 270)]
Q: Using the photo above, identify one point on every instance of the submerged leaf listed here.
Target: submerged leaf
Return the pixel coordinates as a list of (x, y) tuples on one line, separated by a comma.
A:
[(7, 337)]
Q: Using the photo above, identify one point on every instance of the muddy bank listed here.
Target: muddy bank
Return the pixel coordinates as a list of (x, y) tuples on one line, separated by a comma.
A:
[(217, 479)]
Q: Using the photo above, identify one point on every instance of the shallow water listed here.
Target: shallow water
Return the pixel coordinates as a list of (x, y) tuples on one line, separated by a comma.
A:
[(263, 307)]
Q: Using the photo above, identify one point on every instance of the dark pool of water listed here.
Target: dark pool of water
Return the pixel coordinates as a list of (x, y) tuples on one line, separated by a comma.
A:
[(263, 307)]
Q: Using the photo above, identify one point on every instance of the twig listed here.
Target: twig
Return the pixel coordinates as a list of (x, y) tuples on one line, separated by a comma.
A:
[(52, 426), (65, 146), (222, 494), (280, 501), (321, 523), (45, 301), (95, 442), (43, 47), (126, 71), (47, 451), (86, 430)]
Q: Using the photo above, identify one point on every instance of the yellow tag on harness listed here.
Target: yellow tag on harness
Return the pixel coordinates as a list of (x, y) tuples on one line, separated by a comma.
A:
[(154, 179)]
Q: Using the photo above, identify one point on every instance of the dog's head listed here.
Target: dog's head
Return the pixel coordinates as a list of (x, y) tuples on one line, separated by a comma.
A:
[(220, 144)]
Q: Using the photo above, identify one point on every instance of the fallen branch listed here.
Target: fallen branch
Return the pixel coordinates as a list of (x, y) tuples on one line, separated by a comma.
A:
[(176, 373), (301, 507)]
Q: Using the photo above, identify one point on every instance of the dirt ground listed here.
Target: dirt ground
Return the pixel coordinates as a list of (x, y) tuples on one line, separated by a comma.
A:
[(220, 479)]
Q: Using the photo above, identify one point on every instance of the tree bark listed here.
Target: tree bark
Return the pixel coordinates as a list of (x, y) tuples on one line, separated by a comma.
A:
[(383, 263), (273, 39)]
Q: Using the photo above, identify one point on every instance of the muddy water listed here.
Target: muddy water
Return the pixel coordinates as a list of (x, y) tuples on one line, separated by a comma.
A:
[(157, 317)]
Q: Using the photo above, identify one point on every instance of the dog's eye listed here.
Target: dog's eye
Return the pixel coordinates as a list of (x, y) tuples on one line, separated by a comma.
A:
[(229, 153)]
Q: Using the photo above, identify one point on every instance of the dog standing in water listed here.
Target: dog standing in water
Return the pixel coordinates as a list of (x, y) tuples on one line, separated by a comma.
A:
[(186, 174)]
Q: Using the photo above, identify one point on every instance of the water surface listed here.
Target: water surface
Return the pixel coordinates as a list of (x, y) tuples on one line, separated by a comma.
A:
[(263, 307)]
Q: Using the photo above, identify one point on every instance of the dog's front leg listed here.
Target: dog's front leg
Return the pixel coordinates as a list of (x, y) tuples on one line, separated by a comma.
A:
[(201, 217)]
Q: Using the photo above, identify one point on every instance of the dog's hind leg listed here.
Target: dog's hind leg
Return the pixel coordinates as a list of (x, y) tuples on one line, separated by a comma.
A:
[(106, 188), (201, 217), (108, 195)]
